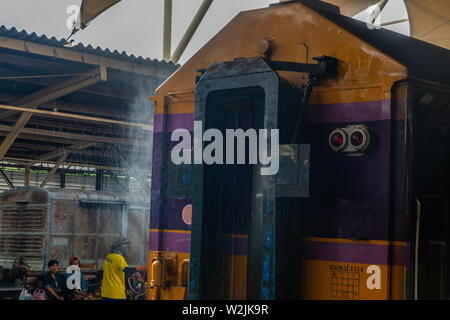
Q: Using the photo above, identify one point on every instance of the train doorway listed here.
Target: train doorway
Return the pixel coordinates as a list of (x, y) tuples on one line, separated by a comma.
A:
[(233, 222), (228, 204), (431, 189)]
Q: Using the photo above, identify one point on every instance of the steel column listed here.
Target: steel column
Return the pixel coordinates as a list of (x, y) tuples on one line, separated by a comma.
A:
[(204, 7), (167, 41)]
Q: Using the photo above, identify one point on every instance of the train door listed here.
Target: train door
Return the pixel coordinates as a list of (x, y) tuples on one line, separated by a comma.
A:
[(245, 202), (228, 205), (233, 241), (431, 187)]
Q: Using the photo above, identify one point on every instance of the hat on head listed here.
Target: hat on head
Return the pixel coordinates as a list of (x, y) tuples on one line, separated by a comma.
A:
[(120, 241)]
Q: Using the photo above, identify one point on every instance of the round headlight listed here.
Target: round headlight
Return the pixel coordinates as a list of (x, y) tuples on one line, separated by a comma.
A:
[(360, 138), (337, 140)]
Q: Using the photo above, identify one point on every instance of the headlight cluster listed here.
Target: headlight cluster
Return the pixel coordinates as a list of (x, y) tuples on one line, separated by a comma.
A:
[(352, 139)]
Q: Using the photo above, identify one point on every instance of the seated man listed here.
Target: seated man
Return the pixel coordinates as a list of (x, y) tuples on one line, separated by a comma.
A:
[(54, 283)]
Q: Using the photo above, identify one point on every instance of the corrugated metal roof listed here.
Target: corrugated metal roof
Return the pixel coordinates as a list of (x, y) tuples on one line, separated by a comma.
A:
[(54, 42), (93, 196)]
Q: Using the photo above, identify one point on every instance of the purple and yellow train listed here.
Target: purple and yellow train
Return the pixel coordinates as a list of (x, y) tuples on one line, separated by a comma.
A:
[(359, 208)]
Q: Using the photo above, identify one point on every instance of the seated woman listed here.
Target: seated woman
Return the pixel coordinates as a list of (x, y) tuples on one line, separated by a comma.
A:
[(80, 292), (54, 282)]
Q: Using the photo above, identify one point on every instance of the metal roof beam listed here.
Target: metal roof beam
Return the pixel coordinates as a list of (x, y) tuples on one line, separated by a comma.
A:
[(36, 137), (59, 90), (35, 99), (377, 11), (140, 179), (85, 58), (5, 177), (55, 114), (96, 110), (55, 168), (26, 161), (116, 180), (37, 64), (19, 149), (74, 147), (26, 132)]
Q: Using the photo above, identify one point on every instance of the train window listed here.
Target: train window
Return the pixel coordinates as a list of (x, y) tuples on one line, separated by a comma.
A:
[(293, 175), (180, 180)]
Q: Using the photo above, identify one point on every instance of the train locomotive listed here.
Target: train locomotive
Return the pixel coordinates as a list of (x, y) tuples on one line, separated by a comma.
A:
[(38, 225), (359, 207)]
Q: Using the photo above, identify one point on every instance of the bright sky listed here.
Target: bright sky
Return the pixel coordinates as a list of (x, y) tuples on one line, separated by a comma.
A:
[(136, 26)]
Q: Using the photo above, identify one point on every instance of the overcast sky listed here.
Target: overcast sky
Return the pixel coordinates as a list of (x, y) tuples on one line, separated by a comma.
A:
[(136, 25)]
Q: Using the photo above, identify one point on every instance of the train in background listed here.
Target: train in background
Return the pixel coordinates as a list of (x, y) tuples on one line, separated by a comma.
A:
[(37, 225), (360, 206)]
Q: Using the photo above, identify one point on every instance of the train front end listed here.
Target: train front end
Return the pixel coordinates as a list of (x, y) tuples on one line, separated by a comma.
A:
[(327, 220)]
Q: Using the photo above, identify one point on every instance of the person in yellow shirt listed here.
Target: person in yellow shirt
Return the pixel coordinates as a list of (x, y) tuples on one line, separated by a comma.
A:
[(114, 269)]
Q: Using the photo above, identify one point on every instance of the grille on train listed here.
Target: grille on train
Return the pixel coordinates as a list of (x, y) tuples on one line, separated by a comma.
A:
[(22, 231)]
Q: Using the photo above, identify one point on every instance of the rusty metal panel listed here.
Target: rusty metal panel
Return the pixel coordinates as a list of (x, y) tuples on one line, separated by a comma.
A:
[(22, 218), (85, 221), (61, 230), (135, 233), (110, 220), (21, 245), (24, 195), (85, 248), (40, 224), (62, 214), (23, 225), (104, 247), (94, 196), (61, 248)]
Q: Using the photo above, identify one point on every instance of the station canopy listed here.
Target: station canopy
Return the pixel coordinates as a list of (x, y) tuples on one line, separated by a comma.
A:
[(91, 9), (351, 8), (429, 19)]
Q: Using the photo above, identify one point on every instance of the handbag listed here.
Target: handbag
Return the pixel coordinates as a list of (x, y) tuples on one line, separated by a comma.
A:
[(25, 295), (39, 294)]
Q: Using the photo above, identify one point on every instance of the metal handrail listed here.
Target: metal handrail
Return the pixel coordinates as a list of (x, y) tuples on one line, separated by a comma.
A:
[(416, 257)]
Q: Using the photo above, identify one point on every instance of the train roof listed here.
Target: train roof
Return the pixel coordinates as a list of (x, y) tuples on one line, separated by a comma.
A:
[(87, 196), (424, 60), (94, 196)]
